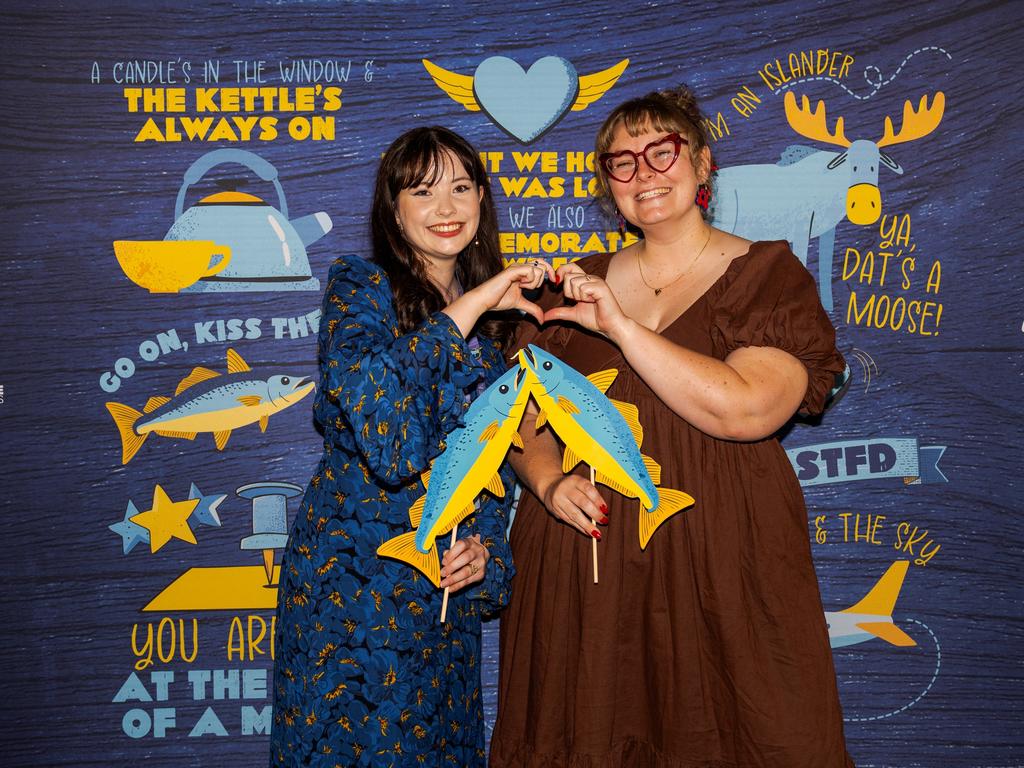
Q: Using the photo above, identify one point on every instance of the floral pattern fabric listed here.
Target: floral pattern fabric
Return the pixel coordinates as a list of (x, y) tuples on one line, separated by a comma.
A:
[(366, 675)]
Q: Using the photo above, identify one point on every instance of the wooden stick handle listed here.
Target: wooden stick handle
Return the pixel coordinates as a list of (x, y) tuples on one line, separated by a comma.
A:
[(444, 600), (593, 540)]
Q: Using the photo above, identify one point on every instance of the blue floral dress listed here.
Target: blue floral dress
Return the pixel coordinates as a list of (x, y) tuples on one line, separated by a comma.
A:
[(366, 675)]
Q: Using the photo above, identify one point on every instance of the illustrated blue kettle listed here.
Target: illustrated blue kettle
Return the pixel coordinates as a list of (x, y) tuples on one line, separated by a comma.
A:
[(268, 250)]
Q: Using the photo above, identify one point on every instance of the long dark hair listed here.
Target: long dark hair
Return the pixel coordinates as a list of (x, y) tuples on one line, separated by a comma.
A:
[(418, 156)]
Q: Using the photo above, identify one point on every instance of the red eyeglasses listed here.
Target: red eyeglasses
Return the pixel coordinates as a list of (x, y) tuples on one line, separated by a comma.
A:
[(659, 154)]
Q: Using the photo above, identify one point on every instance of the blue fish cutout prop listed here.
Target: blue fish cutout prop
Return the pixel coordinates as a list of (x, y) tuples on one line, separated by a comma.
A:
[(603, 433), (469, 465), (206, 401)]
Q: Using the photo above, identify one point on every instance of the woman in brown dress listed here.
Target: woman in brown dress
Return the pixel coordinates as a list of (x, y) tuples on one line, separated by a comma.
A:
[(709, 648)]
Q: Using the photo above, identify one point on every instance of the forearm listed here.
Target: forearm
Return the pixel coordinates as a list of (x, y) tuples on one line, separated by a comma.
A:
[(748, 396), (570, 498), (465, 312), (539, 464)]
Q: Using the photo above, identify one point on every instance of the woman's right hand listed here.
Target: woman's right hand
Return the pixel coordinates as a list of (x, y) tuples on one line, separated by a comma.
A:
[(576, 501)]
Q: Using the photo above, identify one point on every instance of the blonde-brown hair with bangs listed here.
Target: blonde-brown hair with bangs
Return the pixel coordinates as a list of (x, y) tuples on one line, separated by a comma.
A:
[(672, 110)]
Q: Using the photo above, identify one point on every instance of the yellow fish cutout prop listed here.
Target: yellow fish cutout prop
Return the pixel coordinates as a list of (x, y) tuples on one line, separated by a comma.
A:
[(603, 433), (468, 466)]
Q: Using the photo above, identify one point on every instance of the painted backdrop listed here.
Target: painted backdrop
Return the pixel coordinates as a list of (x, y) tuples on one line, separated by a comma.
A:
[(179, 178)]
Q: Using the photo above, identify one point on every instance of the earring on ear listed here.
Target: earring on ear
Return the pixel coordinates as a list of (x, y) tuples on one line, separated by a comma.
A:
[(704, 190), (703, 199), (621, 221)]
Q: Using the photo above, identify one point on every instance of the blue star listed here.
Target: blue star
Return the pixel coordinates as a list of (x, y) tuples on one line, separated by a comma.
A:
[(130, 533), (205, 512)]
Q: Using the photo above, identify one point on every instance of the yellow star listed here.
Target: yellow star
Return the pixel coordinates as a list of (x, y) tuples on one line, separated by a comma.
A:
[(166, 519)]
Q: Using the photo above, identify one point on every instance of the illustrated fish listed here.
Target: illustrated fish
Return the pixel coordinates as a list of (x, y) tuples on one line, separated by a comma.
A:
[(206, 401), (601, 432), (469, 465)]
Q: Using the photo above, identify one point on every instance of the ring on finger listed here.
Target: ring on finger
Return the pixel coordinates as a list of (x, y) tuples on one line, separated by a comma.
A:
[(474, 569)]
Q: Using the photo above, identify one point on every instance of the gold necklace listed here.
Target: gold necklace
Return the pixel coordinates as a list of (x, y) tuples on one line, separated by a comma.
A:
[(657, 291), (452, 292)]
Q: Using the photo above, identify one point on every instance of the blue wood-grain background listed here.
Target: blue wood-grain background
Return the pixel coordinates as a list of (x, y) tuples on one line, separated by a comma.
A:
[(75, 181)]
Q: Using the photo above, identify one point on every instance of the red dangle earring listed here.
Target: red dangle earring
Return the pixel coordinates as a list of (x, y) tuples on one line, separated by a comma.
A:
[(703, 198)]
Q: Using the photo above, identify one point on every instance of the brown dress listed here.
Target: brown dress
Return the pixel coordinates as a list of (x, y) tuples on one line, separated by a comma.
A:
[(710, 648)]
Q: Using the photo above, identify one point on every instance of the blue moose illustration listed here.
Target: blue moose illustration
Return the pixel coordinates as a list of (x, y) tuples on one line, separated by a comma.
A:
[(808, 192)]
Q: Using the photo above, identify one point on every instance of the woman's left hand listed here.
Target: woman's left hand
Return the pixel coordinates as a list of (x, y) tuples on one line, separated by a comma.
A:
[(464, 563), (596, 307), (503, 291)]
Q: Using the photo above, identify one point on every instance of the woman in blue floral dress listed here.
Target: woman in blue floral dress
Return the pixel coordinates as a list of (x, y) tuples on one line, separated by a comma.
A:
[(366, 675)]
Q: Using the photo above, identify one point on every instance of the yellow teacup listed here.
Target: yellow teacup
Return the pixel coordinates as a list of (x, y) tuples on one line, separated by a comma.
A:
[(167, 266)]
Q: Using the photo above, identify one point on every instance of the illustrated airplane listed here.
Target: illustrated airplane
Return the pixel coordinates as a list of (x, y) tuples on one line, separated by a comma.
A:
[(872, 616)]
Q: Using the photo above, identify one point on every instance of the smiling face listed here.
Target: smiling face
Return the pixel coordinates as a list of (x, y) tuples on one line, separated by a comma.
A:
[(655, 198), (440, 219)]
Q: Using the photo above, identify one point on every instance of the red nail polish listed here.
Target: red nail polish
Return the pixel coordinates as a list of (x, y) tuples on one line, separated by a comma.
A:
[(604, 509), (596, 534), (558, 279), (604, 520)]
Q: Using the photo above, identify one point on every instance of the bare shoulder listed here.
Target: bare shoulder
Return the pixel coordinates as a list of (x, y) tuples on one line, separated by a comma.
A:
[(730, 245), (619, 261)]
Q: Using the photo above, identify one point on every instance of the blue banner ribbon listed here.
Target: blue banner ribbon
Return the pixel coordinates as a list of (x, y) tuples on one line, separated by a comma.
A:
[(851, 460)]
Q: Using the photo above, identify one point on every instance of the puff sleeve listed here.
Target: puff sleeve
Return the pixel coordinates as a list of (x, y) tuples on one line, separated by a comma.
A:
[(396, 396), (773, 302)]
